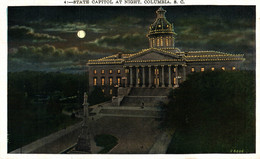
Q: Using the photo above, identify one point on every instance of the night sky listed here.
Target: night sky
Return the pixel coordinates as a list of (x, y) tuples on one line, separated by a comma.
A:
[(45, 38)]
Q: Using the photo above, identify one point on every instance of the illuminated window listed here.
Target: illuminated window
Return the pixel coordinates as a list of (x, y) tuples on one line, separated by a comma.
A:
[(174, 80), (138, 70), (192, 69), (110, 71), (94, 81), (159, 26), (126, 70), (110, 91), (212, 69), (157, 81), (95, 72), (167, 26), (110, 81), (233, 68), (167, 42), (102, 71), (102, 81), (156, 71), (118, 80), (118, 71), (103, 90), (158, 42), (174, 69), (223, 68), (202, 69)]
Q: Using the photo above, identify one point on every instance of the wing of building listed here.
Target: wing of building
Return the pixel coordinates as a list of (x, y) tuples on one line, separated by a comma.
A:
[(161, 65)]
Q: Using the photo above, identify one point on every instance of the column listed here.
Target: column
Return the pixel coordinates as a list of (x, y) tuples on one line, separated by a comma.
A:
[(163, 85), (131, 76), (137, 85), (143, 77), (184, 72), (150, 76), (176, 76), (156, 77), (170, 76)]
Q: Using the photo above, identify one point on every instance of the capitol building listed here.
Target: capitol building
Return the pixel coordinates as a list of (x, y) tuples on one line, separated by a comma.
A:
[(162, 65)]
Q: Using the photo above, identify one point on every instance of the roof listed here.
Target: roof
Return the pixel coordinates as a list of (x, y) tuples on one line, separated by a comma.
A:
[(170, 55)]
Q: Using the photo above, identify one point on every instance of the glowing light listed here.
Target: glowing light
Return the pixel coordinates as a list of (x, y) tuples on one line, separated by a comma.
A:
[(81, 34)]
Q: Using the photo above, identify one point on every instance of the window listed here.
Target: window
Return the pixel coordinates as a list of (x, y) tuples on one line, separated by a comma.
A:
[(192, 69), (126, 70), (110, 81), (118, 80), (174, 80), (110, 71), (102, 81), (137, 70), (156, 71), (157, 81), (167, 26), (95, 81), (95, 72), (202, 69), (158, 42), (159, 26), (161, 42), (223, 68), (174, 69), (167, 42), (102, 71), (212, 69), (233, 68), (110, 91), (103, 90), (118, 71)]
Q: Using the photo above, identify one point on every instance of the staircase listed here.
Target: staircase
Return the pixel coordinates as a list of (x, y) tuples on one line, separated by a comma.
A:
[(140, 102)]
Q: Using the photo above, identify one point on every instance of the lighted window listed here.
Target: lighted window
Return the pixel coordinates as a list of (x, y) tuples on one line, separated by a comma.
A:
[(212, 69), (161, 42), (95, 72), (126, 70), (157, 81), (110, 81), (174, 80), (103, 90), (223, 68), (167, 42), (233, 68), (110, 71), (102, 81), (138, 70), (202, 69), (118, 80), (174, 69), (94, 81), (102, 71), (192, 69), (118, 71), (156, 71), (110, 91), (167, 26), (159, 26)]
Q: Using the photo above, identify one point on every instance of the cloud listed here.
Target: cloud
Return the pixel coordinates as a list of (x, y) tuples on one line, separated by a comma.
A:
[(47, 53), (127, 41), (27, 33)]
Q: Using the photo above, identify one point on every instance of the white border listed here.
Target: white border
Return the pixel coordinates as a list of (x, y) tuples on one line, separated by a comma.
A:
[(3, 83)]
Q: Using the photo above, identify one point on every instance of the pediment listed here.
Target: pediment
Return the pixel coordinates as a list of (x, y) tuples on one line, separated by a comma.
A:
[(154, 55)]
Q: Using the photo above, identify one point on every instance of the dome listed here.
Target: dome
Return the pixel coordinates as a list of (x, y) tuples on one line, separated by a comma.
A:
[(161, 25)]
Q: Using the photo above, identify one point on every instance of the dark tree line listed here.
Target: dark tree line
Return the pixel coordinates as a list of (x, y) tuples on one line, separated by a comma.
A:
[(213, 112)]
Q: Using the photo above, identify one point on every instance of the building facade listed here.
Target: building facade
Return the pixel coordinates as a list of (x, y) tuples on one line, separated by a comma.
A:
[(161, 65)]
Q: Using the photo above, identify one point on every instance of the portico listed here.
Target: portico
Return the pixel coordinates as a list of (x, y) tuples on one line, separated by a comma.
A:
[(151, 75)]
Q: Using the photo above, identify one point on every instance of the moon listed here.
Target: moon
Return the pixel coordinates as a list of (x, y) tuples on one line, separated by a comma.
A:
[(81, 34)]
